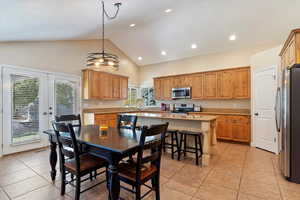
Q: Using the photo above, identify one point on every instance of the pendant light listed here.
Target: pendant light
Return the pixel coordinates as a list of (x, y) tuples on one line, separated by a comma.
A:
[(102, 60)]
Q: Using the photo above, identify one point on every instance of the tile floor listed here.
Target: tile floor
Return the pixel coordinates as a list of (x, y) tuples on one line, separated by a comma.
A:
[(237, 172)]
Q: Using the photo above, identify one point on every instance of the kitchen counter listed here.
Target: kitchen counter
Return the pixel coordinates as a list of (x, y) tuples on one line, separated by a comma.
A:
[(174, 116)]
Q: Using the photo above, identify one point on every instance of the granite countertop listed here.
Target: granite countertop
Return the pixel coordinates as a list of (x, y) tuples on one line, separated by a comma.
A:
[(174, 116)]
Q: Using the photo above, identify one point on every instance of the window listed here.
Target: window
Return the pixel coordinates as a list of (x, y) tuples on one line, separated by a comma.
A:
[(148, 96), (132, 96)]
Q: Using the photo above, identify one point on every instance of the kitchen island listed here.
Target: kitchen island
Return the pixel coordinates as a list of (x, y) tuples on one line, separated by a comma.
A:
[(206, 124)]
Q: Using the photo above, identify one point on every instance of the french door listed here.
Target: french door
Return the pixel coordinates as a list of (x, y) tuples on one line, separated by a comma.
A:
[(31, 99)]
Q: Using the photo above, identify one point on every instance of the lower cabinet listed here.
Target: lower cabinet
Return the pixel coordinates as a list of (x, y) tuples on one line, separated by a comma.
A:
[(109, 120), (234, 128)]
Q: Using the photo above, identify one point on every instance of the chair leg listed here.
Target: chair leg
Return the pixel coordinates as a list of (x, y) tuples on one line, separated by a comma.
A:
[(63, 182), (172, 145), (107, 178), (184, 148), (180, 146), (164, 145), (177, 144), (157, 192), (77, 192), (196, 150), (200, 143), (138, 192), (91, 176)]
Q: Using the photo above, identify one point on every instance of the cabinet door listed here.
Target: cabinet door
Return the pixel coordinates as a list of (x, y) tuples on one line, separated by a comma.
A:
[(157, 89), (115, 87), (166, 85), (197, 86), (177, 82), (224, 84), (241, 84), (224, 128), (210, 85), (123, 87), (106, 86), (292, 53), (241, 129)]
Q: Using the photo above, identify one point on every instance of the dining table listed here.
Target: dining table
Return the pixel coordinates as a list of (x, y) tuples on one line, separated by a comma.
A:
[(112, 144)]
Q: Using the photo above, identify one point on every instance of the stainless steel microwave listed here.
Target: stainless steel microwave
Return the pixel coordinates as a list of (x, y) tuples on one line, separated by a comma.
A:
[(181, 93)]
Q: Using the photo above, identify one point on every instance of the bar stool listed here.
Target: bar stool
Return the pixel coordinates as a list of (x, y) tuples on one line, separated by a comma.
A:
[(173, 143), (190, 149)]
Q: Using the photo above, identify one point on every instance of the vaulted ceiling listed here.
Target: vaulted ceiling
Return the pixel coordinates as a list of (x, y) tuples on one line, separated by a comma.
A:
[(206, 23)]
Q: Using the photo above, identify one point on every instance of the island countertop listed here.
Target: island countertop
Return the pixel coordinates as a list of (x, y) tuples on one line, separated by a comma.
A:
[(175, 116)]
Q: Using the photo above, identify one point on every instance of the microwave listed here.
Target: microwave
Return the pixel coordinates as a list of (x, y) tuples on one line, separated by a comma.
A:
[(181, 93)]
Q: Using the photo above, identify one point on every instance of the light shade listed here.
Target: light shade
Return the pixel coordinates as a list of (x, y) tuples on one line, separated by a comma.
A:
[(99, 61)]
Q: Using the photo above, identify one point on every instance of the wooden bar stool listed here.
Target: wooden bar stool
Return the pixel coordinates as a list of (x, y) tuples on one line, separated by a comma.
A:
[(197, 149), (173, 134)]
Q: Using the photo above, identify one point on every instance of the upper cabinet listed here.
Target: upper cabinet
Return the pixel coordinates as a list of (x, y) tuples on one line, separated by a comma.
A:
[(209, 85), (103, 86), (222, 84), (290, 53)]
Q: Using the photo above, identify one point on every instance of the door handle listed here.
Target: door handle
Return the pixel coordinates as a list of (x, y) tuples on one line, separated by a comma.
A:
[(45, 113), (256, 114)]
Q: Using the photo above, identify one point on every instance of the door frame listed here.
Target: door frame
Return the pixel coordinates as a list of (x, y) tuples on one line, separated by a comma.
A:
[(253, 71), (49, 73)]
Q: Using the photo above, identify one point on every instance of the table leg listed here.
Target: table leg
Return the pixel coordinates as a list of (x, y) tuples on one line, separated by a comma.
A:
[(53, 160), (114, 182)]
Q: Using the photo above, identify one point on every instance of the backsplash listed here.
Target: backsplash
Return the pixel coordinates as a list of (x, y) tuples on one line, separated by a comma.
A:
[(101, 104), (241, 104)]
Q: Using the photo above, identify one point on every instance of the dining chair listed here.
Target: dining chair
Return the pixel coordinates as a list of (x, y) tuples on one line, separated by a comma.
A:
[(80, 164), (75, 119), (145, 168), (127, 121)]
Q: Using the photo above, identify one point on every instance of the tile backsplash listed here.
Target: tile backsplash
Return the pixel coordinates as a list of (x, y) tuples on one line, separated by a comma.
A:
[(240, 104)]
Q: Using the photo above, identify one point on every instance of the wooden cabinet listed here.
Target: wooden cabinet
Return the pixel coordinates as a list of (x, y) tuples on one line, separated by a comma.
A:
[(109, 120), (290, 53), (241, 83), (222, 84), (223, 129), (102, 85), (157, 88), (225, 84), (166, 85), (123, 87), (197, 86), (240, 126), (210, 85)]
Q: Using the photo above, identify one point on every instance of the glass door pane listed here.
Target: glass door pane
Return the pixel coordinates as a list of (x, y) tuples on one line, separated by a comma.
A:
[(65, 97), (25, 109)]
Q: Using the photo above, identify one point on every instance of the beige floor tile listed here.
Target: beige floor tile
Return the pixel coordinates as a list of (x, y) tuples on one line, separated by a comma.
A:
[(25, 186), (212, 192), (168, 194), (181, 187), (260, 189), (3, 195), (243, 196), (17, 176)]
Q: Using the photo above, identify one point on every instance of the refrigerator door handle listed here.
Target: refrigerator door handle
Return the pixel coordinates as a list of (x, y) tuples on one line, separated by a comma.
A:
[(277, 109)]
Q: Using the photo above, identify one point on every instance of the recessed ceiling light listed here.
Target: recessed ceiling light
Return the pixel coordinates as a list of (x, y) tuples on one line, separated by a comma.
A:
[(132, 25), (194, 46), (168, 10), (163, 53), (232, 37), (140, 58)]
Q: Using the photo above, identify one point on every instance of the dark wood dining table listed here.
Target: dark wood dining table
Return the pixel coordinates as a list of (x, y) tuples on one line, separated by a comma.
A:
[(112, 145)]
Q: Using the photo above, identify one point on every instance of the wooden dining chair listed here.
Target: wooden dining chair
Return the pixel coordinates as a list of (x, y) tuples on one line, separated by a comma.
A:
[(74, 119), (145, 168), (127, 121), (78, 166)]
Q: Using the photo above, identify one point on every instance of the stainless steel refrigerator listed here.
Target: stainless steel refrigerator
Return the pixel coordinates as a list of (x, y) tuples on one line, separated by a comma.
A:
[(288, 123)]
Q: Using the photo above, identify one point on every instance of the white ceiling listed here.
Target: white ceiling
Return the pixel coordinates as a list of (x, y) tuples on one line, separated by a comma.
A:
[(208, 23)]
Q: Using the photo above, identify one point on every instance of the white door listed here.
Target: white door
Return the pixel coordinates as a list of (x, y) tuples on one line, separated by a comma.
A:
[(64, 96), (264, 94), (25, 114)]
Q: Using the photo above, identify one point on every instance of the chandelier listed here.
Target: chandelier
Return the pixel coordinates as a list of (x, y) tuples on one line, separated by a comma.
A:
[(104, 60)]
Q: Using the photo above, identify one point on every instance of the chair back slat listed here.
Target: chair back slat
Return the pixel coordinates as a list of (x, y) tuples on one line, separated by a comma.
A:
[(67, 143), (155, 145), (127, 121), (75, 120)]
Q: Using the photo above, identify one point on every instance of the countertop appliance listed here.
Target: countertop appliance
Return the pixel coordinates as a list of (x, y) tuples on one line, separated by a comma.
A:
[(183, 108), (287, 117), (181, 93)]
